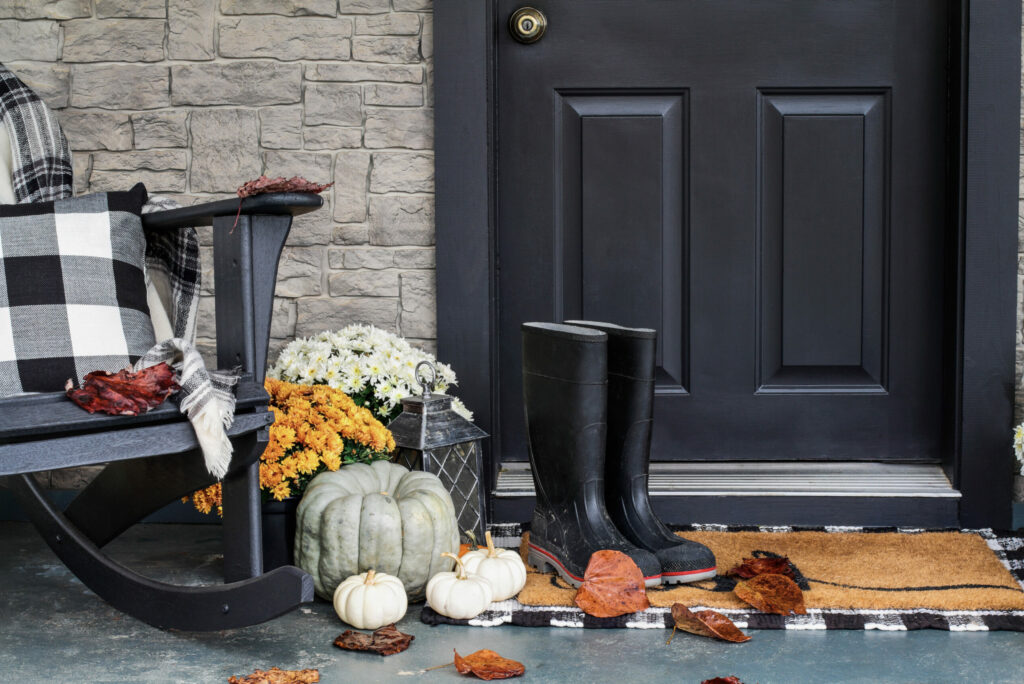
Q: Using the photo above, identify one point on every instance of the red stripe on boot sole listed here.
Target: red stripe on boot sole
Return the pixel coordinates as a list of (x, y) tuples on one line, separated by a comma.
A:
[(578, 579), (689, 572)]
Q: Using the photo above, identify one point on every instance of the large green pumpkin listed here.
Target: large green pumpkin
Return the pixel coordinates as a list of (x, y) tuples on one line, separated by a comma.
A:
[(379, 516)]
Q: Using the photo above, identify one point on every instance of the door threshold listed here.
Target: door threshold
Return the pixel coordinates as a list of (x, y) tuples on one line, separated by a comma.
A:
[(787, 493)]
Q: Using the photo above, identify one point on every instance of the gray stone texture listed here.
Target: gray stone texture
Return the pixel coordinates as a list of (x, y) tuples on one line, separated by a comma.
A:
[(332, 137), (366, 283), (363, 6), (314, 166), (402, 220), (44, 9), (289, 8), (151, 160), (393, 24), (114, 40), (96, 130), (120, 86), (351, 170), (296, 38), (419, 316), (298, 273), (29, 40), (337, 104), (190, 29), (237, 83), (229, 144), (156, 9), (402, 172), (400, 49), (51, 82), (409, 128), (315, 315), (355, 71), (101, 180), (160, 129), (281, 128), (393, 94)]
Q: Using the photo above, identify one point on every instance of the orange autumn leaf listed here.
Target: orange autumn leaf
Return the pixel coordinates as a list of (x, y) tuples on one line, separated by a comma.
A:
[(276, 675), (772, 594), (707, 623), (612, 585), (752, 567), (487, 664), (722, 680), (466, 548)]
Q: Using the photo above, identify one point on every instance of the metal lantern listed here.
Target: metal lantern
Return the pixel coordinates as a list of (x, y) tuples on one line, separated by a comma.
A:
[(431, 436)]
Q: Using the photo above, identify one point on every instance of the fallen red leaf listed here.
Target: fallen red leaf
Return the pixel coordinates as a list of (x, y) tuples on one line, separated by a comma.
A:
[(612, 585), (276, 675), (123, 393), (486, 664), (722, 680), (772, 594), (752, 567), (385, 641), (707, 623), (280, 184)]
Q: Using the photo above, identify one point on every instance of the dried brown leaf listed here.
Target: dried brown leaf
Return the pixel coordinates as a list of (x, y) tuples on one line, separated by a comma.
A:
[(612, 585), (385, 641), (772, 594), (707, 623), (487, 664), (722, 680), (752, 567), (264, 185), (123, 393), (276, 675)]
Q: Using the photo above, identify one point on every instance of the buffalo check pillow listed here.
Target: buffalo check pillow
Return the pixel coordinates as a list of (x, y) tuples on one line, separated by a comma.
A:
[(72, 289)]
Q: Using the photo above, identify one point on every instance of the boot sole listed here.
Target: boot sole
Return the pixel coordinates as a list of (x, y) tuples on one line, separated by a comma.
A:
[(688, 576), (545, 561)]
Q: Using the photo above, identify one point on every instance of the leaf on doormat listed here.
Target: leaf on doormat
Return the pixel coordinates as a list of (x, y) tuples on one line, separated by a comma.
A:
[(276, 675), (123, 393), (264, 185), (612, 585), (722, 680), (487, 664), (772, 594), (707, 623), (752, 567), (385, 641)]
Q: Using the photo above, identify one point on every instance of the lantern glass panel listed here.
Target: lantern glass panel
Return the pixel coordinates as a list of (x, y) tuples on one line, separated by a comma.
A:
[(456, 466)]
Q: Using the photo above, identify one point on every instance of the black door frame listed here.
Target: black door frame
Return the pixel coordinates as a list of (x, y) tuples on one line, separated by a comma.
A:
[(984, 167)]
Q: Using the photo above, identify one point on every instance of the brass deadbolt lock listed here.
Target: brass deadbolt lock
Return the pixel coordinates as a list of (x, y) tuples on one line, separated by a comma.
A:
[(527, 24)]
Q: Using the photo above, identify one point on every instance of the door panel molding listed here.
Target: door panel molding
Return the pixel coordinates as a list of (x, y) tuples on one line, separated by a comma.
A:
[(985, 104), (599, 219), (827, 279)]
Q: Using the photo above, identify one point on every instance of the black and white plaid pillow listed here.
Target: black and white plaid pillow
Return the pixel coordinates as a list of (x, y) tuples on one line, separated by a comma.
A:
[(72, 289)]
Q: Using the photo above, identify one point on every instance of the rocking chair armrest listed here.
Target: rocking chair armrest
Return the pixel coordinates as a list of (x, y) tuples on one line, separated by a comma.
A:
[(271, 204)]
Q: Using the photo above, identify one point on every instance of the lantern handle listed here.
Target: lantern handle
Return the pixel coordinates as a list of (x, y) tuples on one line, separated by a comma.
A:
[(427, 385)]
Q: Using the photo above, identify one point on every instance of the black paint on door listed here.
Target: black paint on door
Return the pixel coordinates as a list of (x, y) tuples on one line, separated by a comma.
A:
[(765, 184)]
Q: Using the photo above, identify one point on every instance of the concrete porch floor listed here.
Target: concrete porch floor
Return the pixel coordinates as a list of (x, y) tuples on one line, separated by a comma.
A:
[(53, 629)]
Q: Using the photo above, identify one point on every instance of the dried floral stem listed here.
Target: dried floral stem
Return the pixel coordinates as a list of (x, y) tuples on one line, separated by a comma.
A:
[(439, 667), (671, 636)]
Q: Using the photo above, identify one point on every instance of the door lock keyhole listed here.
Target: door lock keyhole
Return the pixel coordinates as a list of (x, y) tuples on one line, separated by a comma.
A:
[(527, 25)]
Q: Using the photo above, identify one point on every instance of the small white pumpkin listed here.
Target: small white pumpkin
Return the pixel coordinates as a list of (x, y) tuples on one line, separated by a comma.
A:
[(370, 600), (503, 568), (458, 595)]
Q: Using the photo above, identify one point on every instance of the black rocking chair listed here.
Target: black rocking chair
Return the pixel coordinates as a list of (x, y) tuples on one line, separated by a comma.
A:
[(155, 458)]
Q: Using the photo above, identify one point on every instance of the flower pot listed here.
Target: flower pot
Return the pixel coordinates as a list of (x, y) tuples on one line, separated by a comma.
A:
[(279, 533)]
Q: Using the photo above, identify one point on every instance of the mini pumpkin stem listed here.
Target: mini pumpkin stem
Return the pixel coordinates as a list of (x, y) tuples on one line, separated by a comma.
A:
[(461, 572), (491, 551), (369, 576)]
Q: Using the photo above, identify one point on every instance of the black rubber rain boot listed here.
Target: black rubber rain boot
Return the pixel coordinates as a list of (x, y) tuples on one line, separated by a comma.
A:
[(631, 360), (565, 396)]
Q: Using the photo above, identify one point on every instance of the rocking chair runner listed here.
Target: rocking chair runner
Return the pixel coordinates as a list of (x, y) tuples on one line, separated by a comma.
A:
[(155, 458)]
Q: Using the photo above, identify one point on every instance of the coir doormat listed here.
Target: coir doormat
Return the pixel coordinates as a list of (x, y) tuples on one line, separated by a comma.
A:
[(852, 577)]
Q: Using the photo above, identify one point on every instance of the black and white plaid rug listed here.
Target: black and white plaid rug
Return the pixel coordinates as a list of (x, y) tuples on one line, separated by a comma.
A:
[(1008, 547)]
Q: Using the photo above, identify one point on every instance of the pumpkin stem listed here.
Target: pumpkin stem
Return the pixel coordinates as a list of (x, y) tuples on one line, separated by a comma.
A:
[(491, 551), (369, 576), (461, 572)]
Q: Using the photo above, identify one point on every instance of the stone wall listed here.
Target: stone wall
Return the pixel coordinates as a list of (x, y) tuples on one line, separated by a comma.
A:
[(195, 97)]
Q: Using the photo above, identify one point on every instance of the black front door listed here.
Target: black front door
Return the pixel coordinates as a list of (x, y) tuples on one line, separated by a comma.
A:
[(762, 182)]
